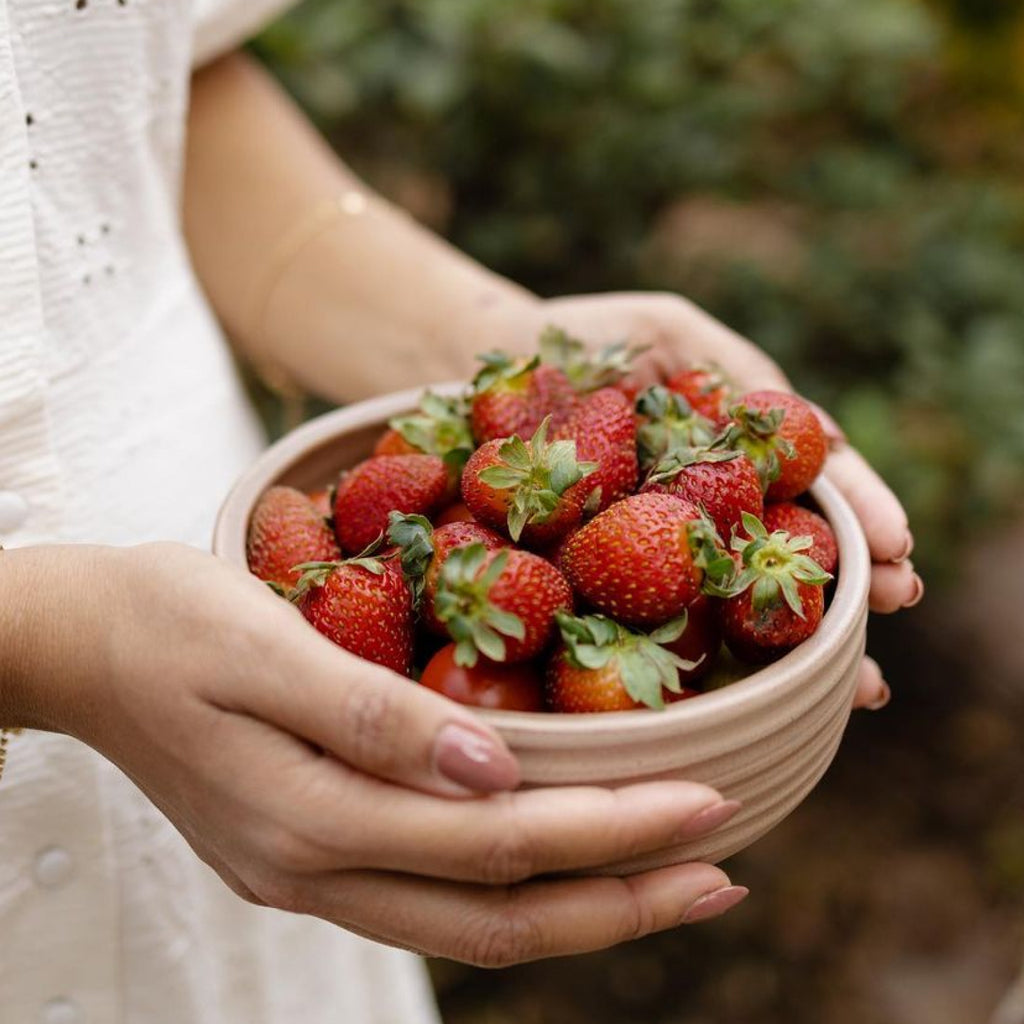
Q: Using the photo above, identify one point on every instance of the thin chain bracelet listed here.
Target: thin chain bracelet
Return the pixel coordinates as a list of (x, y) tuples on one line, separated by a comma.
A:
[(5, 735)]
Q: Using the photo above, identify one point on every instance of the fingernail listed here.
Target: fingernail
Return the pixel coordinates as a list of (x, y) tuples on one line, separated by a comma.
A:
[(711, 818), (918, 594), (883, 698), (906, 551), (472, 760), (713, 904)]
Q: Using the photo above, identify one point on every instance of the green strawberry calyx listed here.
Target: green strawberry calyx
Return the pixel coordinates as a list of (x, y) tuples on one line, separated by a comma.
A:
[(316, 574), (463, 603), (645, 667), (440, 427), (413, 535), (756, 432), (669, 467), (671, 424), (773, 564), (537, 473), (587, 370), (501, 369)]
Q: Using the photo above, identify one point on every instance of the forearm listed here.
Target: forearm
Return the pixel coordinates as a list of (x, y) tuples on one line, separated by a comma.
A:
[(347, 301)]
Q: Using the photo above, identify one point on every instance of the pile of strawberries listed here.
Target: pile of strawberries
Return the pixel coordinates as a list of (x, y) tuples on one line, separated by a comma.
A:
[(554, 540)]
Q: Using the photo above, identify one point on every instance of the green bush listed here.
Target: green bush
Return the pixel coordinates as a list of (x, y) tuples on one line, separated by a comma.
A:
[(840, 181)]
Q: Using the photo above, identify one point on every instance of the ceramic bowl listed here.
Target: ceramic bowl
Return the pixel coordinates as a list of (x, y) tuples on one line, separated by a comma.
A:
[(765, 739)]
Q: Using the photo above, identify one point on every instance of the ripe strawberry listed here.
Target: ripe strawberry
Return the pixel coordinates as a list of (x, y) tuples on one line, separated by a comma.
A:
[(724, 483), (701, 641), (707, 390), (457, 512), (603, 666), (287, 529), (643, 560), (423, 550), (514, 397), (798, 521), (440, 427), (385, 483), (776, 600), (668, 422), (500, 604), (487, 684), (363, 605), (586, 369), (783, 437), (604, 429), (534, 491)]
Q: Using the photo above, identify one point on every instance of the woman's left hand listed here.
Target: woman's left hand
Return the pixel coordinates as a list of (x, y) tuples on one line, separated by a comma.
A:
[(678, 332)]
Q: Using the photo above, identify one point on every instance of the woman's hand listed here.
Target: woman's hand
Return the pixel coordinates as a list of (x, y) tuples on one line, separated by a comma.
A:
[(318, 783), (679, 332)]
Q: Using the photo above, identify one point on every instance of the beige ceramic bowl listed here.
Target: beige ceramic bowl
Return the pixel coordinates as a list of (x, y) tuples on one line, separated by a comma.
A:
[(765, 740)]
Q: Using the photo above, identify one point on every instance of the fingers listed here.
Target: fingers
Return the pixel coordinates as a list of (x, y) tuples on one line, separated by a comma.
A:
[(877, 508), (894, 587), (372, 719), (873, 692), (497, 927), (500, 840)]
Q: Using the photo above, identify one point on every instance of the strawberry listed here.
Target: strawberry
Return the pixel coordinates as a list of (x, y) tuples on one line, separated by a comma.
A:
[(701, 641), (706, 389), (723, 483), (514, 397), (500, 604), (604, 429), (487, 684), (385, 483), (535, 491), (286, 528), (457, 512), (643, 560), (783, 437), (440, 427), (424, 548), (798, 521), (588, 370), (776, 600), (362, 604), (603, 666), (667, 422)]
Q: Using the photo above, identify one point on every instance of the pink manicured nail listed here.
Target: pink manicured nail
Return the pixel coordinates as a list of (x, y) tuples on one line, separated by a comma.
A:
[(918, 594), (883, 698), (715, 903), (471, 759), (711, 818), (906, 551)]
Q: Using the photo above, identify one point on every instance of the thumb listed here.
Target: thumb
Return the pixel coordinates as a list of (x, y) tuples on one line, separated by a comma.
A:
[(373, 719)]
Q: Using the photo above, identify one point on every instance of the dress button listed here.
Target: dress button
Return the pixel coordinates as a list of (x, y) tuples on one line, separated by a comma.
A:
[(52, 867), (13, 511), (60, 1011)]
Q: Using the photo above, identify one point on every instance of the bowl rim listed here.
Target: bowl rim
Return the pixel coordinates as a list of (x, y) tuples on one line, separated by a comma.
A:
[(764, 686)]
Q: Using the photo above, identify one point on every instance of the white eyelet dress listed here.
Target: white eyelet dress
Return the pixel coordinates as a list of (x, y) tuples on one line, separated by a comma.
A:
[(122, 420)]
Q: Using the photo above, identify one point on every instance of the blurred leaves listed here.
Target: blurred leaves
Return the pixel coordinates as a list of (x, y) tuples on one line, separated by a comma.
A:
[(841, 182)]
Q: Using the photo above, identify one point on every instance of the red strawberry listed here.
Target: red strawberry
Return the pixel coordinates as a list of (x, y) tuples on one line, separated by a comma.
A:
[(586, 369), (783, 437), (603, 666), (457, 512), (701, 641), (513, 398), (487, 684), (423, 552), (363, 605), (724, 483), (604, 429), (668, 422), (776, 600), (643, 560), (385, 483), (534, 491), (500, 604), (798, 521), (287, 529), (707, 390), (439, 427)]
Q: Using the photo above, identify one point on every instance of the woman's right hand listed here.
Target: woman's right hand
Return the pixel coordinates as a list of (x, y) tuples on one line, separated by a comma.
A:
[(318, 783)]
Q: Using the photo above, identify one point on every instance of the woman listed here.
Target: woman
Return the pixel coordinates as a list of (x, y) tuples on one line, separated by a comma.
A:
[(172, 702)]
